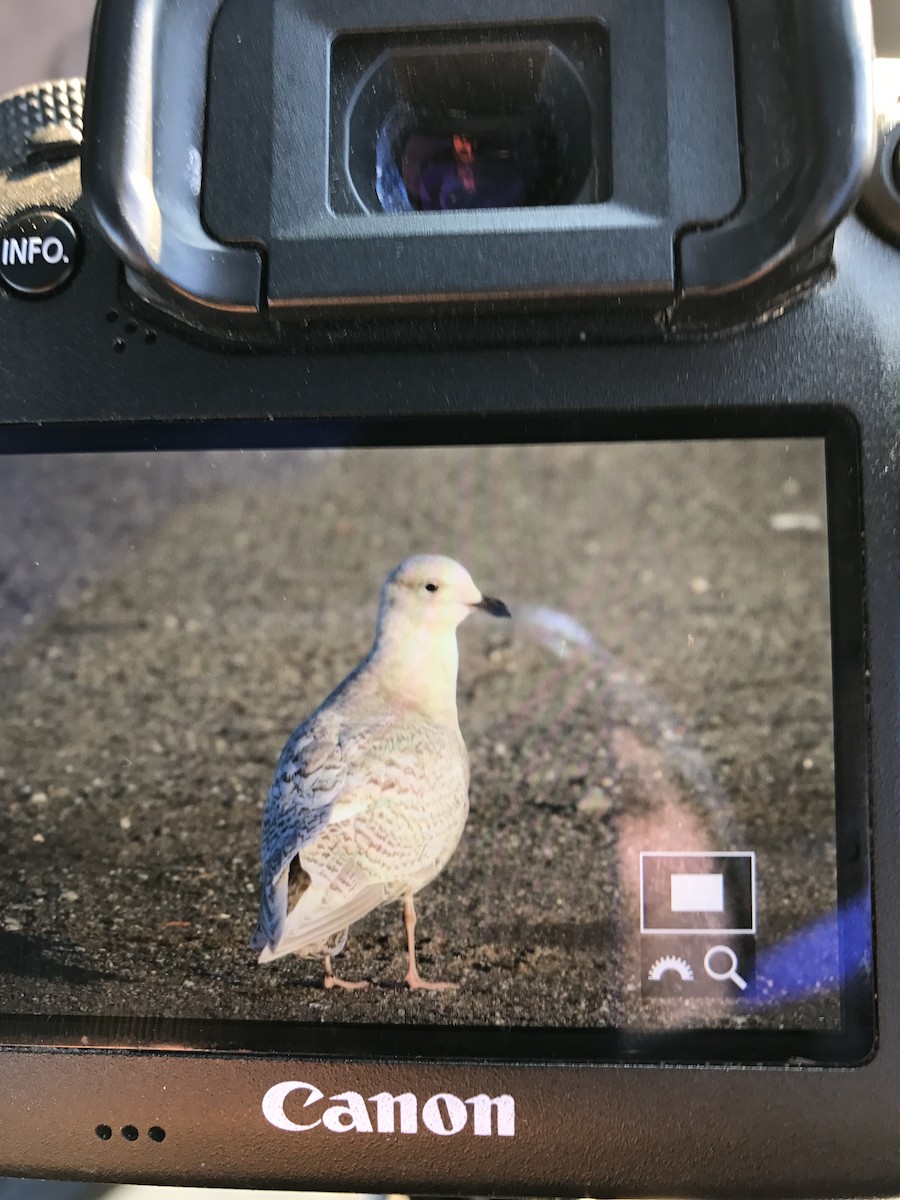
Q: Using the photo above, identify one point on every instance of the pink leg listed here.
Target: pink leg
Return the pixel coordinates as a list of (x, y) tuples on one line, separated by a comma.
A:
[(413, 979), (332, 981)]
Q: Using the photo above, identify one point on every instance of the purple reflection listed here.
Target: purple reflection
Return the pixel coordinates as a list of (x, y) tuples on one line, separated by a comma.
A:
[(423, 165), (454, 171)]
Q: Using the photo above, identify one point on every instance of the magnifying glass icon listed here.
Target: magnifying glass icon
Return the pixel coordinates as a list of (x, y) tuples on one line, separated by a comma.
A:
[(731, 973)]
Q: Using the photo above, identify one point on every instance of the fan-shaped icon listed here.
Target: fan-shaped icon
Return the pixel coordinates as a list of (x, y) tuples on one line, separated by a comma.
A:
[(670, 963)]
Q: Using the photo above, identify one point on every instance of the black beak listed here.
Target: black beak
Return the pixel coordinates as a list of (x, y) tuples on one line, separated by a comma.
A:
[(493, 607)]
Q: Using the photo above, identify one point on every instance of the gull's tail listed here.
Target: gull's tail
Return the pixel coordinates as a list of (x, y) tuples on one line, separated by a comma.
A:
[(317, 923)]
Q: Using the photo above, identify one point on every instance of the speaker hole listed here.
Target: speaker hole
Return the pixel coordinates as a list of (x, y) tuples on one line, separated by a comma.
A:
[(149, 337), (156, 1134), (119, 347), (130, 1133), (103, 1132), (131, 326), (112, 316)]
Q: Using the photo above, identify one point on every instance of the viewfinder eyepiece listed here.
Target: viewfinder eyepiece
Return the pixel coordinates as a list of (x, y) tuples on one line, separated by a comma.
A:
[(481, 124)]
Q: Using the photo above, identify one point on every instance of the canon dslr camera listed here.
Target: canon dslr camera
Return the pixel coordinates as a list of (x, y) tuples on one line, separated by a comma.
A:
[(448, 600)]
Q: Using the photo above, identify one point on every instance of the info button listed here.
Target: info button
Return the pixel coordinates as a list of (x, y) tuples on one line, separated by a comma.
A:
[(39, 252)]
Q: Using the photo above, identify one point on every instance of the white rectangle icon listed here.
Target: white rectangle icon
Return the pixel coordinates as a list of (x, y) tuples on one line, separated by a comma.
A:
[(698, 893), (678, 916)]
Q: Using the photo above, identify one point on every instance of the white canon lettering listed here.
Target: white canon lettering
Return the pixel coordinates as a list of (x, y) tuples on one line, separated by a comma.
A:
[(352, 1115), (18, 250), (433, 1117), (443, 1114), (386, 1104), (52, 250), (34, 248), (482, 1108), (5, 256), (273, 1105)]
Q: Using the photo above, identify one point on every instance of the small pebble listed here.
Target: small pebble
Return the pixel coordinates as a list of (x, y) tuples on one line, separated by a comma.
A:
[(595, 802)]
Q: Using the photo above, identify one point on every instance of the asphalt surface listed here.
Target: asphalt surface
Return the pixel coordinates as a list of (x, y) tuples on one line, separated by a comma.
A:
[(665, 685)]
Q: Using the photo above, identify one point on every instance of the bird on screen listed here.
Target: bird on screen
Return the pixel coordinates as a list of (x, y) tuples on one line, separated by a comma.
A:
[(371, 793)]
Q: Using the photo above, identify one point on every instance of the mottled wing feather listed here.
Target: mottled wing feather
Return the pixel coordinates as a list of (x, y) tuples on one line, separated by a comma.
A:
[(310, 775)]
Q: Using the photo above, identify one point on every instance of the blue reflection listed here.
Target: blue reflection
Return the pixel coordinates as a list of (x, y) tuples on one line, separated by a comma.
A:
[(803, 965)]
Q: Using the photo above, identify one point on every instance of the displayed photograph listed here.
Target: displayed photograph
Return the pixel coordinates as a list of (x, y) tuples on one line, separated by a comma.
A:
[(483, 736)]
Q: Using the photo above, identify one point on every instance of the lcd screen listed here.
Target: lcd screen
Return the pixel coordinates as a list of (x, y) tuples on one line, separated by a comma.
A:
[(582, 763)]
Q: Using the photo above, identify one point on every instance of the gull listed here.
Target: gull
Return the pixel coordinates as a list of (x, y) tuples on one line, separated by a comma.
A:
[(371, 793)]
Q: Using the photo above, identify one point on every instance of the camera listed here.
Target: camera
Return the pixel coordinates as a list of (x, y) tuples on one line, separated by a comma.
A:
[(448, 600)]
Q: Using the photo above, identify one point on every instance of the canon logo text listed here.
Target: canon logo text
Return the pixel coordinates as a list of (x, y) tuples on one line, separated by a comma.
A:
[(348, 1112)]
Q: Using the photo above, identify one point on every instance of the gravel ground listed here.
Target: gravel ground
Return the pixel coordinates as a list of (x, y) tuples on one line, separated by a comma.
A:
[(192, 611)]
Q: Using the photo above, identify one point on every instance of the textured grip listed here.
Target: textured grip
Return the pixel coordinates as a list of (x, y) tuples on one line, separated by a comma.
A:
[(57, 106)]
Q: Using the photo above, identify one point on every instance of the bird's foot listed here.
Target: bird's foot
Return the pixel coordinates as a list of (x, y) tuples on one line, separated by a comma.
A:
[(332, 981), (416, 983)]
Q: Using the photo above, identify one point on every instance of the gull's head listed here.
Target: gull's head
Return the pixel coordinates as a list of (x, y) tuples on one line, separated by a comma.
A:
[(432, 592)]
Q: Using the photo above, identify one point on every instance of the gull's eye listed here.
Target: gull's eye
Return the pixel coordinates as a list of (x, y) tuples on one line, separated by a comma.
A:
[(431, 587)]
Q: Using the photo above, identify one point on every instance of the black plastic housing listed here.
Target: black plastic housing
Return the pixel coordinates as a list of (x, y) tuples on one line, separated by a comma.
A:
[(231, 127)]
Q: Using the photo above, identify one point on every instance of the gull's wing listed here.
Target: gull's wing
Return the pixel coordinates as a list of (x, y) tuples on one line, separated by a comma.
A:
[(309, 778)]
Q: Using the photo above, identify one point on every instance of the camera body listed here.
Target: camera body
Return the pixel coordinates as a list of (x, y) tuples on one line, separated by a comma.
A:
[(229, 275)]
